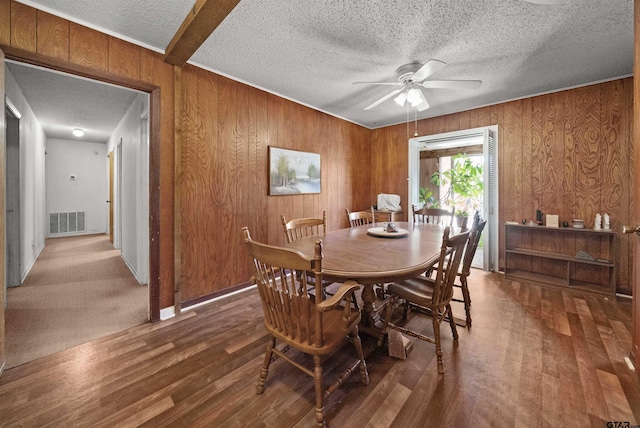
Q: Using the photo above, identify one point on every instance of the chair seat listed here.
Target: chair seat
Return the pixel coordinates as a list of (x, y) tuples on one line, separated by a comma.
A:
[(334, 333), (418, 290)]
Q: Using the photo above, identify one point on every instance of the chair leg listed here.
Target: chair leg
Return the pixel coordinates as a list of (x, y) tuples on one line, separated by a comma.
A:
[(436, 336), (364, 373), (466, 297), (317, 377), (265, 366), (405, 312), (452, 323)]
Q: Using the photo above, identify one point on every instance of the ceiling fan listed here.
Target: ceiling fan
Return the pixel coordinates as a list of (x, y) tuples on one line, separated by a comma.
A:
[(411, 78)]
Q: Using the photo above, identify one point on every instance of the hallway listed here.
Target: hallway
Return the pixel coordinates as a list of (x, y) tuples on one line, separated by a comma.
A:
[(78, 290)]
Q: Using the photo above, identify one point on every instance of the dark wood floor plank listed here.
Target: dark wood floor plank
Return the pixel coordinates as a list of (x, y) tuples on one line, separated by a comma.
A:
[(572, 395), (535, 356), (615, 396), (594, 400), (495, 404), (376, 397), (597, 350), (530, 393)]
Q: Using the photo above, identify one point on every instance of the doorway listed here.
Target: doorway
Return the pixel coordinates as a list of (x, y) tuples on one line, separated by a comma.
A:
[(12, 196), (425, 155), (76, 173)]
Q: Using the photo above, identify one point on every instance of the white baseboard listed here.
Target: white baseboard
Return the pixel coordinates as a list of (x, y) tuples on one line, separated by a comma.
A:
[(79, 233), (167, 313), (24, 274), (132, 269)]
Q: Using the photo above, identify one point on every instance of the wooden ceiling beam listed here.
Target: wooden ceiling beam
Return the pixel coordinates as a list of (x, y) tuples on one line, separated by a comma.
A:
[(202, 20)]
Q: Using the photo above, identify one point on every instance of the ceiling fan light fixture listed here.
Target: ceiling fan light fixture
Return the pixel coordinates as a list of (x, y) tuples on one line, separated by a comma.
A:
[(412, 77), (400, 99), (415, 97), (78, 132)]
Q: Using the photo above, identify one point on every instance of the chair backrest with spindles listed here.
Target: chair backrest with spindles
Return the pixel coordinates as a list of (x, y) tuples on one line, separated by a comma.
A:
[(432, 215), (281, 276), (448, 264), (359, 218), (302, 227)]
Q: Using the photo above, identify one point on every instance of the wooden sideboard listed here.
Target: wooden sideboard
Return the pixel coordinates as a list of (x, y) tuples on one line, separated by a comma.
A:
[(549, 255), (388, 216)]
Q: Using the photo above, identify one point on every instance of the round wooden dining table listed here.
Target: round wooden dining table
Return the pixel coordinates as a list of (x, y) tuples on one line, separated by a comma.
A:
[(363, 255)]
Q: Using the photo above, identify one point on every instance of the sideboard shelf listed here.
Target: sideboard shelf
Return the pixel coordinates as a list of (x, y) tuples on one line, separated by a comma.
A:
[(548, 255)]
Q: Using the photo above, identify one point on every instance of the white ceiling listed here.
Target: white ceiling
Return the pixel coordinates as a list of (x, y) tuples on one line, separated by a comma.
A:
[(62, 102), (311, 51)]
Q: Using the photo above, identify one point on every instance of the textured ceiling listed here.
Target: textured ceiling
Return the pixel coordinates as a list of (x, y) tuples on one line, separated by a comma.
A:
[(62, 102), (311, 51)]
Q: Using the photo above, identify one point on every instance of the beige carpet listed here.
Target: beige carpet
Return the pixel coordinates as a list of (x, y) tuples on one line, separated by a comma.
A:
[(79, 289)]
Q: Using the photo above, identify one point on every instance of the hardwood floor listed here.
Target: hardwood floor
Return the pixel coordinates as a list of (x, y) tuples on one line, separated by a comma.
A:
[(535, 356)]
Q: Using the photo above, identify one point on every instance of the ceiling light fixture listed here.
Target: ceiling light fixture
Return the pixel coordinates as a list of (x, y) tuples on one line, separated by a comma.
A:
[(400, 99), (78, 132), (415, 97)]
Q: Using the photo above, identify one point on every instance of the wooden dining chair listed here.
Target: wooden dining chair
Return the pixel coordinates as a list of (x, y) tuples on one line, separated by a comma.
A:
[(467, 259), (432, 215), (432, 295), (303, 227), (293, 316), (465, 270), (359, 218)]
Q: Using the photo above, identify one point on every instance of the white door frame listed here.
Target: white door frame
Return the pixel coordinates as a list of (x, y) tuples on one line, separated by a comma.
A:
[(490, 171), (13, 227)]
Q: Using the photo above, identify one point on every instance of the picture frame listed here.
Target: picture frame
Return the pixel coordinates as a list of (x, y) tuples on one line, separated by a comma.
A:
[(293, 172)]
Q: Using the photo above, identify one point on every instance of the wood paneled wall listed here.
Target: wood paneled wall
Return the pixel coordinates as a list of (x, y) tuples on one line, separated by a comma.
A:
[(568, 153), (226, 130), (63, 45)]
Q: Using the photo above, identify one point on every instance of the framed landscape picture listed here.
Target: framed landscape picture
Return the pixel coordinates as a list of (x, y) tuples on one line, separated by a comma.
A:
[(292, 172)]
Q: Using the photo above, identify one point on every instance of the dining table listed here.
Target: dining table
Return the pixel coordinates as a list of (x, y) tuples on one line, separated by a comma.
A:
[(369, 255)]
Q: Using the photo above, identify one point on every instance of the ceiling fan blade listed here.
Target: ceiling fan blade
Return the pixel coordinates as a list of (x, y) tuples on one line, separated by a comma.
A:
[(452, 84), (378, 83), (427, 70), (383, 99)]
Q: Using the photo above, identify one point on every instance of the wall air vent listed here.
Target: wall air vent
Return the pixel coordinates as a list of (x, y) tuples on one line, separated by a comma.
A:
[(67, 223)]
